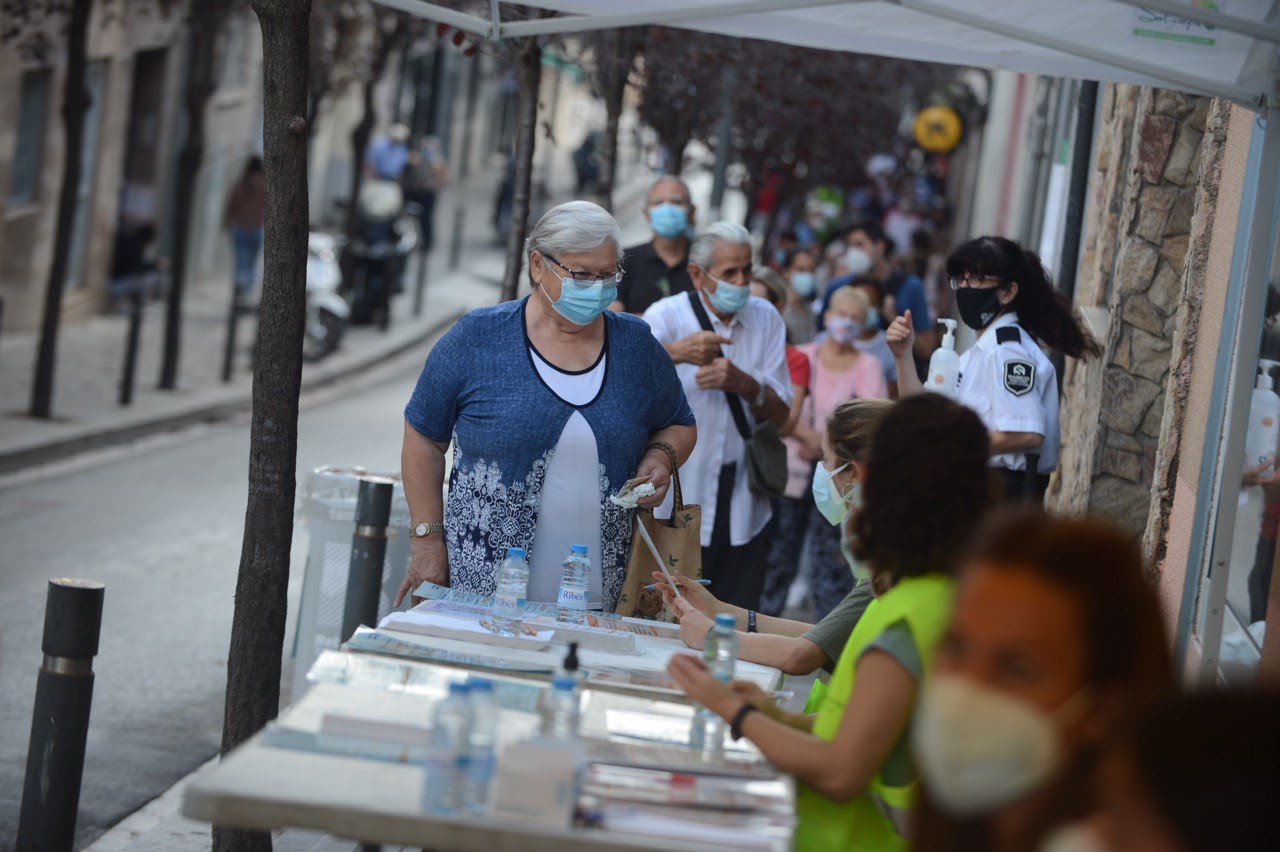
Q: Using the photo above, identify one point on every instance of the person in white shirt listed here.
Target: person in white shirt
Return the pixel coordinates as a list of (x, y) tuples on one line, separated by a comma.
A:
[(1004, 293), (743, 354)]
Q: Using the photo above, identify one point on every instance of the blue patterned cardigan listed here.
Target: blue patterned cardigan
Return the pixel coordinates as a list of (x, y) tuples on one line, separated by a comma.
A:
[(480, 388)]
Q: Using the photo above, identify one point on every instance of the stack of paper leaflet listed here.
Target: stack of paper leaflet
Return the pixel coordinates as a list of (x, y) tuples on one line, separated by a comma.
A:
[(462, 627)]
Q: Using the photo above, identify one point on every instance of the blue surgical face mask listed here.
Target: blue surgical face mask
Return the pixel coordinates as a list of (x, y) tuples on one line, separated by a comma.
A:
[(582, 303), (729, 298), (831, 505), (668, 220), (804, 283)]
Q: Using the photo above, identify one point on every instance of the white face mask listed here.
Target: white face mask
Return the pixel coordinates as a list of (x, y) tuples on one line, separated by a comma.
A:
[(979, 749)]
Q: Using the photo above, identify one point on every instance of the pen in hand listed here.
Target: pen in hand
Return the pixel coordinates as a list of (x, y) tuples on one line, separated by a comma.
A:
[(653, 586)]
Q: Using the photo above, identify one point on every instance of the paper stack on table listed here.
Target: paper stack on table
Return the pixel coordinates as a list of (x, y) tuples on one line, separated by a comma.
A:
[(462, 629)]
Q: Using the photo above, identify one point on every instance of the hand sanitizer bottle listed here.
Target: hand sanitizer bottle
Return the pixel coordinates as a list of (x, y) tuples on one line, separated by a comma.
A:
[(1260, 443), (944, 366)]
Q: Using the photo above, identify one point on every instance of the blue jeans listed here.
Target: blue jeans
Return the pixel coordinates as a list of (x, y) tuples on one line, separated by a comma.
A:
[(245, 246)]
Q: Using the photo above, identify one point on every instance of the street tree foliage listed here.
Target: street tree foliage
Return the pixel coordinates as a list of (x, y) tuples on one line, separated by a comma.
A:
[(680, 93), (611, 59), (341, 48), (39, 29)]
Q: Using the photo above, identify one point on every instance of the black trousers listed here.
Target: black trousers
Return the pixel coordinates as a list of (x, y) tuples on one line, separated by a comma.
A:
[(736, 573), (1016, 490)]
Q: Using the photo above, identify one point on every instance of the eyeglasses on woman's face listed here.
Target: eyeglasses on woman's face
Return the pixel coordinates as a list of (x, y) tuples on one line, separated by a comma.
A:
[(582, 276), (974, 282)]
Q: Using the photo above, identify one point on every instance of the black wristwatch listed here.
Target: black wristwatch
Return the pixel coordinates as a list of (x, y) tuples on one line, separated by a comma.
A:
[(751, 621), (735, 727)]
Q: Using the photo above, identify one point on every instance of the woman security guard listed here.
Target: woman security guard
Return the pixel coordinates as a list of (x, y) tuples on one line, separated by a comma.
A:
[(1004, 293)]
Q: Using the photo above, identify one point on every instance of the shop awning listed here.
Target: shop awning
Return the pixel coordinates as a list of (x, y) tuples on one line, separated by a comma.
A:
[(1223, 48)]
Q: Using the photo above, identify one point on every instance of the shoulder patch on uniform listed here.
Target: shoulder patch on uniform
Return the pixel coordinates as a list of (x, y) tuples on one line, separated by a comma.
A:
[(1019, 377), (1008, 334)]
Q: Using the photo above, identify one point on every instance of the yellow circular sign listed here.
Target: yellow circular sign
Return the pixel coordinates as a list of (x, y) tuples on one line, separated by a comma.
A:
[(938, 129)]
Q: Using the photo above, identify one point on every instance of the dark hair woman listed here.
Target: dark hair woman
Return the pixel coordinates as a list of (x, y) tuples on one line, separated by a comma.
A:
[(851, 757), (1003, 292), (1055, 640)]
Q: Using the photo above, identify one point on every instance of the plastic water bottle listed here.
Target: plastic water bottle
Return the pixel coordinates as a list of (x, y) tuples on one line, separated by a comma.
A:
[(484, 726), (449, 753), (720, 650), (572, 600), (513, 589), (560, 711)]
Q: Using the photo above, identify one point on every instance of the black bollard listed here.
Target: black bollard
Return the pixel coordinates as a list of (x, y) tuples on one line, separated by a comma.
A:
[(420, 288), (60, 717), (368, 551), (229, 348), (131, 347)]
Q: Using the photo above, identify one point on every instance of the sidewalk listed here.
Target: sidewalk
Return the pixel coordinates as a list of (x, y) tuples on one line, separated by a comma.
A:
[(90, 354)]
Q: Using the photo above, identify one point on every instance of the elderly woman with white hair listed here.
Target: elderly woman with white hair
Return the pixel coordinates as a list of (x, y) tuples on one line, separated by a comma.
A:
[(552, 404), (729, 348)]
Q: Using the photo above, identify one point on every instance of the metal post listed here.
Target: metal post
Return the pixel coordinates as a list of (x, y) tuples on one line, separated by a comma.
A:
[(131, 347), (368, 551), (229, 349), (420, 288), (60, 716), (455, 246)]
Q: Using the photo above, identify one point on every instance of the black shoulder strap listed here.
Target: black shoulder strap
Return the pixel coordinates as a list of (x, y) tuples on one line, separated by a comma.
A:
[(735, 402)]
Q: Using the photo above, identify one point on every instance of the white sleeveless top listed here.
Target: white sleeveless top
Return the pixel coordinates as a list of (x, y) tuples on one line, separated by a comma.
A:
[(570, 509)]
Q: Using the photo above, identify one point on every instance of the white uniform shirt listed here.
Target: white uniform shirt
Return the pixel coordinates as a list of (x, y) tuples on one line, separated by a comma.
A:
[(1008, 380), (570, 510), (759, 349)]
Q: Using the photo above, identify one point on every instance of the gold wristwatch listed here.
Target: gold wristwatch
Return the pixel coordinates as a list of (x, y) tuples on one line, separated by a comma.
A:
[(424, 530)]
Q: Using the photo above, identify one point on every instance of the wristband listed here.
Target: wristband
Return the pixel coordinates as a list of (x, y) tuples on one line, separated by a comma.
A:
[(751, 621), (668, 450), (735, 727)]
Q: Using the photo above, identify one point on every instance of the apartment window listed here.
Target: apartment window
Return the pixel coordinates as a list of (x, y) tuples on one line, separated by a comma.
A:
[(24, 176)]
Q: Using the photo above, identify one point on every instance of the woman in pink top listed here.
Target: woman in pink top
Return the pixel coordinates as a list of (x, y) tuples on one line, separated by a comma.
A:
[(838, 372)]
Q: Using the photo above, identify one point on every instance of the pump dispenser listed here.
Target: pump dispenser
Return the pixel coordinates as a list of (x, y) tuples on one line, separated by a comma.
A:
[(944, 366), (1263, 438)]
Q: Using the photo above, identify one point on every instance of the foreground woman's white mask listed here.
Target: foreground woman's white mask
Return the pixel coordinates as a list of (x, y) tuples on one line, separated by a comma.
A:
[(979, 749)]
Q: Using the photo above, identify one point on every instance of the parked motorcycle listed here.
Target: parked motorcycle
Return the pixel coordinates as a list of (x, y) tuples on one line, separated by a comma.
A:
[(327, 312), (384, 234)]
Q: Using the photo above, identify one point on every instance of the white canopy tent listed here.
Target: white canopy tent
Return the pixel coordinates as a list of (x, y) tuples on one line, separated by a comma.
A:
[(1224, 48)]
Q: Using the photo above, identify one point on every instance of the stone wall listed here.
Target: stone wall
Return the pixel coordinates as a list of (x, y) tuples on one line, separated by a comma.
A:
[(1144, 195)]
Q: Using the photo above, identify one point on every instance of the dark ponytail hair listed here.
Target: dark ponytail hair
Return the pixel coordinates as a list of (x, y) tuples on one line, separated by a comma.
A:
[(1043, 311)]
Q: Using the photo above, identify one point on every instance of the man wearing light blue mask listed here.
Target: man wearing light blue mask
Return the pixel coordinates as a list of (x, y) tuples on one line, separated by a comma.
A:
[(729, 348), (660, 267)]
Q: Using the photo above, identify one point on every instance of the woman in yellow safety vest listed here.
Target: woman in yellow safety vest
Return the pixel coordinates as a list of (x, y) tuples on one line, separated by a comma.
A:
[(1055, 643), (924, 494)]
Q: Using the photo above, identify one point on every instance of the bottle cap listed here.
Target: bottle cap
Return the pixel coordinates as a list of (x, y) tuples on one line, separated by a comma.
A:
[(724, 619), (571, 658), (515, 553), (563, 682), (480, 684), (458, 688), (579, 548)]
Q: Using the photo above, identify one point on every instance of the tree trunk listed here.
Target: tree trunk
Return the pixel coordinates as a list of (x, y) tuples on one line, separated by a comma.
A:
[(609, 144), (258, 623), (528, 62), (675, 155), (206, 18), (75, 101)]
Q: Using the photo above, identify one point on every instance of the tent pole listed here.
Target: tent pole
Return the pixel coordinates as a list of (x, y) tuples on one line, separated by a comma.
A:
[(669, 16), (1233, 374)]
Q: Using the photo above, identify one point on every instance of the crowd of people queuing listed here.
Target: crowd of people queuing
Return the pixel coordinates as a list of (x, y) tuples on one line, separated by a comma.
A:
[(990, 677)]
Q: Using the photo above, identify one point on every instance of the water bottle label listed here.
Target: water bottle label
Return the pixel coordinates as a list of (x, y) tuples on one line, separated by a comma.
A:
[(572, 598), (506, 603)]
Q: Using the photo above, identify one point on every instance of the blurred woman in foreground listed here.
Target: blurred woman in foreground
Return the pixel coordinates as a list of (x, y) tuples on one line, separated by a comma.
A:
[(1055, 641)]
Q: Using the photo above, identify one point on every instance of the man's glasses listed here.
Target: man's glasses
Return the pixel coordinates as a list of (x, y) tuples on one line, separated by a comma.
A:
[(583, 277)]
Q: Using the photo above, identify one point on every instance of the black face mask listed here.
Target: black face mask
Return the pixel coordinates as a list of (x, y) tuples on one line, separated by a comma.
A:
[(978, 307)]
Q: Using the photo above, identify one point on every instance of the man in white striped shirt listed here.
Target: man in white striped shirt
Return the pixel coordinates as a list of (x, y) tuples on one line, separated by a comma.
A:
[(744, 354)]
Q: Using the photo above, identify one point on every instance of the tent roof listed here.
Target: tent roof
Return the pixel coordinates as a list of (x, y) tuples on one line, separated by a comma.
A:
[(1177, 44)]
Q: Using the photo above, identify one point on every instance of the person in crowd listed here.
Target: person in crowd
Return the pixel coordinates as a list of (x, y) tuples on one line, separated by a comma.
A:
[(425, 175), (388, 156), (1194, 774), (552, 404), (903, 293), (1004, 293), (797, 647), (136, 264), (802, 280), (839, 372), (772, 287), (243, 216), (852, 758), (871, 341), (1056, 640), (660, 267), (730, 354)]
